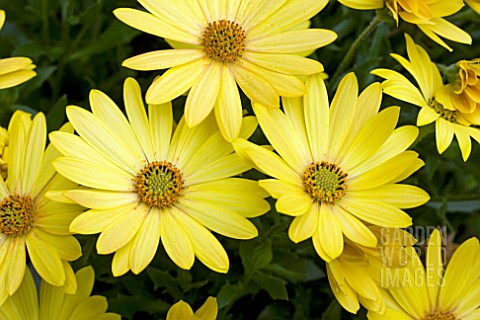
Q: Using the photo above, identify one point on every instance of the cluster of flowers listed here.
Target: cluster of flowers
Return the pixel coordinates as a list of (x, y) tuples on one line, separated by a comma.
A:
[(336, 167)]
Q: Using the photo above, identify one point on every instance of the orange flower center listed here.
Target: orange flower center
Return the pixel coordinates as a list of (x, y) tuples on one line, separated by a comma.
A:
[(159, 184), (224, 41), (441, 316), (449, 115), (325, 182), (16, 215)]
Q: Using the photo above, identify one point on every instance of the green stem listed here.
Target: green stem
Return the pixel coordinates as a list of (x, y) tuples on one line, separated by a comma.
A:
[(354, 47)]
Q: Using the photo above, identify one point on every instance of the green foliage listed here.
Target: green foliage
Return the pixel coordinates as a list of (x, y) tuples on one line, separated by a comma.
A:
[(78, 45)]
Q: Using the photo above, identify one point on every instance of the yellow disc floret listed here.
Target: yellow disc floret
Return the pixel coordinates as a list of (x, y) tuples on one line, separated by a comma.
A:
[(16, 215), (224, 41), (325, 182), (159, 184)]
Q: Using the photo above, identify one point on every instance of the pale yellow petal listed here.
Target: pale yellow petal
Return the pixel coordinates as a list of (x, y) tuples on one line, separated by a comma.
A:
[(284, 63), (160, 124), (464, 141), (353, 228), (71, 145), (399, 195), (15, 78), (175, 81), (294, 204), (203, 95), (120, 261), (209, 310), (15, 264), (180, 310), (34, 150), (278, 188), (148, 23), (67, 247), (330, 233), (176, 240), (97, 199), (225, 167), (434, 266), (304, 226), (146, 242)]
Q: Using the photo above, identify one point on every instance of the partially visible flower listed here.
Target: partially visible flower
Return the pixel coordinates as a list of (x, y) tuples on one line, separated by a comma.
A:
[(462, 93), (356, 276), (3, 152), (474, 4), (14, 71), (448, 121), (29, 219), (54, 303), (219, 44), (145, 182), (426, 14), (337, 168), (430, 293), (182, 310)]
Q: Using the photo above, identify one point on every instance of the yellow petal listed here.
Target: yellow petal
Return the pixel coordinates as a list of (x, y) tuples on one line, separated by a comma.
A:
[(15, 265), (443, 134), (304, 226), (294, 204), (160, 124), (146, 241), (209, 310), (180, 310), (284, 63), (97, 199), (330, 233)]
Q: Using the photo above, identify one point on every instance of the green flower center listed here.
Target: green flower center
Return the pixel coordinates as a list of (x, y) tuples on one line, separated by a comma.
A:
[(16, 215), (159, 184), (449, 115), (224, 41), (441, 316), (325, 182)]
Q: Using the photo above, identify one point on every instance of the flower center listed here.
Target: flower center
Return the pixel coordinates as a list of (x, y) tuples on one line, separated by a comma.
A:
[(224, 41), (325, 182), (440, 316), (449, 115), (159, 184), (16, 215)]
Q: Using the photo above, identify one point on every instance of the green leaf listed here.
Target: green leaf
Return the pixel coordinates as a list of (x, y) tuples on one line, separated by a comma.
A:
[(56, 115), (162, 279), (229, 294), (333, 311), (275, 287), (255, 254)]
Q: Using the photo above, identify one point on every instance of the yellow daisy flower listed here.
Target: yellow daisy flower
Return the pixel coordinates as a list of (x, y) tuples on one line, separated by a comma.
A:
[(29, 220), (448, 121), (462, 93), (429, 293), (337, 168), (355, 276), (226, 43), (181, 310), (426, 14), (56, 304), (474, 4), (3, 152), (14, 71), (146, 184)]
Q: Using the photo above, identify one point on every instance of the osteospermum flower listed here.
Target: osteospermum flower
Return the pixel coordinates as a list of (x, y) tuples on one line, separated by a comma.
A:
[(448, 120), (337, 168), (181, 310), (29, 220), (462, 93), (356, 275), (430, 293), (14, 71), (224, 43), (146, 184), (426, 14), (53, 303)]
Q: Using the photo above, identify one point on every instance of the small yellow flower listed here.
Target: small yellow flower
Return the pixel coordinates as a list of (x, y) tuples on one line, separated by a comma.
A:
[(430, 293), (449, 121), (356, 275), (426, 14), (14, 71), (337, 168), (145, 183), (182, 311), (28, 218), (53, 303), (462, 93), (222, 43)]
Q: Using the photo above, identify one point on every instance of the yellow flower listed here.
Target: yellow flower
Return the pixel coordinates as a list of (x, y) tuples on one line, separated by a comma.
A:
[(355, 276), (474, 4), (426, 14), (448, 122), (462, 93), (28, 218), (146, 184), (220, 44), (56, 304), (14, 71), (337, 168), (3, 152), (181, 310), (429, 293)]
